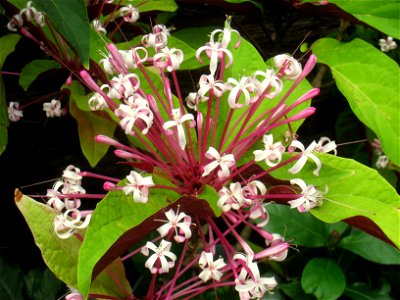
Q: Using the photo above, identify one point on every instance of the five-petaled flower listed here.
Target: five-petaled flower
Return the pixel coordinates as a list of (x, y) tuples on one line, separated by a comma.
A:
[(180, 223), (211, 268), (158, 262), (272, 154), (53, 108), (138, 186), (14, 113), (224, 162), (310, 196), (304, 155), (177, 121)]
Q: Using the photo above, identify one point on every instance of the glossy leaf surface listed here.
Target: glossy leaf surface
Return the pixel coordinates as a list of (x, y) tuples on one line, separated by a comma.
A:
[(350, 194), (323, 278), (71, 20), (369, 80)]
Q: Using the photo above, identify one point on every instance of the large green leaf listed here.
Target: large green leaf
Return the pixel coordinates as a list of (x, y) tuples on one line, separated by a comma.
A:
[(302, 229), (323, 278), (116, 215), (42, 284), (369, 80), (351, 194), (8, 43), (61, 255), (32, 70), (383, 15), (71, 20), (371, 248), (91, 124)]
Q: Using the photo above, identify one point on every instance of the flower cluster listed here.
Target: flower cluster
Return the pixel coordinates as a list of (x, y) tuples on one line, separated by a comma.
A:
[(31, 15), (223, 137), (64, 198), (387, 44)]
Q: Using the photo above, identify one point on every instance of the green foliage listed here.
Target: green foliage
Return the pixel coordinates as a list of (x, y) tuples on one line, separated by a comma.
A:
[(362, 291), (195, 37), (42, 285), (151, 5), (369, 80), (8, 43), (33, 69), (303, 229), (210, 195), (383, 15), (61, 255), (371, 248), (323, 278), (350, 193), (91, 124), (11, 280), (71, 20), (115, 216)]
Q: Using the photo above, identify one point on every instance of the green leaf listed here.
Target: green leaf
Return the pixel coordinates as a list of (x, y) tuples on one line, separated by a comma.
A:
[(323, 278), (42, 284), (19, 3), (71, 20), (361, 291), (350, 193), (371, 248), (91, 124), (195, 37), (8, 43), (383, 15), (151, 5), (117, 214), (210, 195), (11, 280), (259, 5), (32, 70), (302, 229), (369, 80), (61, 255), (294, 290)]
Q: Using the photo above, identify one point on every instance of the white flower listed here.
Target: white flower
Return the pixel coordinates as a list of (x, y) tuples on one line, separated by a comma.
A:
[(98, 27), (170, 59), (130, 13), (53, 195), (132, 57), (71, 175), (276, 239), (32, 14), (382, 162), (325, 145), (268, 81), (161, 253), (97, 102), (53, 108), (66, 224), (207, 83), (15, 22), (272, 155), (254, 286), (215, 51), (177, 121), (192, 100), (231, 198), (292, 68), (304, 155), (224, 162), (137, 108), (178, 222), (310, 197), (387, 44), (123, 86), (257, 211), (14, 113), (243, 87), (211, 268), (224, 36), (158, 39), (138, 186)]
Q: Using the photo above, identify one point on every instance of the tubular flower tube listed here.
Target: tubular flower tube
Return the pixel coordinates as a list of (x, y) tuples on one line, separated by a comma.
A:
[(201, 167)]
